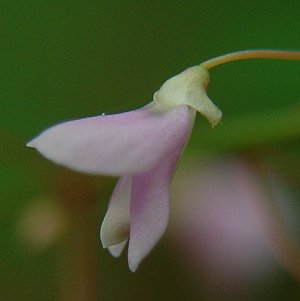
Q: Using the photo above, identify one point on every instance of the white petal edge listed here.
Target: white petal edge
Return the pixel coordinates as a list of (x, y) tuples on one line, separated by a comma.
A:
[(116, 223), (117, 250)]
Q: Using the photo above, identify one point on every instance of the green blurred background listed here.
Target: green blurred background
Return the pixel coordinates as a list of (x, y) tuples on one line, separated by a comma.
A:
[(62, 60)]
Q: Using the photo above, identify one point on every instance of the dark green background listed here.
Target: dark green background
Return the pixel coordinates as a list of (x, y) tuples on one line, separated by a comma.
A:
[(62, 60)]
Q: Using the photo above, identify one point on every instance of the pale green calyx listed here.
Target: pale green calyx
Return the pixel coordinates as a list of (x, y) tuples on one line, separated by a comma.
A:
[(189, 88)]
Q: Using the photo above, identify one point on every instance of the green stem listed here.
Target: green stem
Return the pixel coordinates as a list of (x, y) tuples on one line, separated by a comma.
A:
[(251, 54)]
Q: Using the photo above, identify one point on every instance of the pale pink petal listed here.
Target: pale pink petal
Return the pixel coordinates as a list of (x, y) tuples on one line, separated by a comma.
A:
[(116, 250), (149, 210), (149, 206), (116, 223), (118, 144)]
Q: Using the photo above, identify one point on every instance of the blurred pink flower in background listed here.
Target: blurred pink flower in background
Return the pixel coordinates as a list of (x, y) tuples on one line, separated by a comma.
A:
[(224, 227)]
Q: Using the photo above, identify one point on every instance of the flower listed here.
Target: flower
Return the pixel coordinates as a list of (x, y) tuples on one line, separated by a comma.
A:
[(143, 147)]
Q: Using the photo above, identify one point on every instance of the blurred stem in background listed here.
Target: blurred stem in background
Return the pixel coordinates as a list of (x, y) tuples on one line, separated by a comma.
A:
[(77, 264)]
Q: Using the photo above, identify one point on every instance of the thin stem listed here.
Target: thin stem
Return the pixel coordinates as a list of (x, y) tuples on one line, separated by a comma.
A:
[(78, 263), (251, 54)]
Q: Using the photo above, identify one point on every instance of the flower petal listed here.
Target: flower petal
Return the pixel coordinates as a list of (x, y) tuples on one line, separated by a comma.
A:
[(149, 206), (118, 144), (116, 250), (116, 223)]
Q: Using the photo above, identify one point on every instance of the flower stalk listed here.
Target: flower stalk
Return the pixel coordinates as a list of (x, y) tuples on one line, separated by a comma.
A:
[(251, 54)]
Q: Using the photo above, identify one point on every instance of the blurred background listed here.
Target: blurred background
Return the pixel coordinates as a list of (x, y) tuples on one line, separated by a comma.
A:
[(234, 239)]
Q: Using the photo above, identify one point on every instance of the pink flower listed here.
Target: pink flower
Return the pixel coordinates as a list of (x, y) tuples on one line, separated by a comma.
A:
[(141, 146), (231, 225)]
